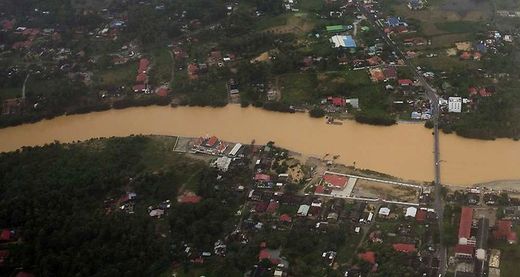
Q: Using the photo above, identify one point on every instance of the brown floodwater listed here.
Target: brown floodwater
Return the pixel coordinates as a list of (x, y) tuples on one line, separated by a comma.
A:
[(403, 150)]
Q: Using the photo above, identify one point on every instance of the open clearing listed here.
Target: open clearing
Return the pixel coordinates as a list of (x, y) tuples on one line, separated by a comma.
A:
[(374, 189)]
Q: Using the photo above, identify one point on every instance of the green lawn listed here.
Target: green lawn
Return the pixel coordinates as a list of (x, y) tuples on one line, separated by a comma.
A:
[(459, 26), (299, 88), (267, 22), (161, 66), (311, 5), (119, 75)]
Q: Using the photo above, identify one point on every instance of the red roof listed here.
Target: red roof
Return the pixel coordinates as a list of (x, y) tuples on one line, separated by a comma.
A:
[(405, 82), (5, 235), (511, 237), (273, 206), (466, 249), (265, 254), (141, 77), (189, 198), (404, 247), (338, 101), (262, 177), (420, 215), (285, 218), (368, 256), (143, 65), (338, 181), (466, 218), (211, 141), (261, 207), (390, 72), (8, 24), (504, 229), (162, 91), (24, 274), (319, 189), (139, 87)]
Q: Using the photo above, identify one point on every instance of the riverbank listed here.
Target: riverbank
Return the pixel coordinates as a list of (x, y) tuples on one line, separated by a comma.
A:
[(403, 150)]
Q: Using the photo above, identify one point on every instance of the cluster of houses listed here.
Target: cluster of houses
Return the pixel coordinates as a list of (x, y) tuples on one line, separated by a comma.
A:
[(472, 254), (210, 145)]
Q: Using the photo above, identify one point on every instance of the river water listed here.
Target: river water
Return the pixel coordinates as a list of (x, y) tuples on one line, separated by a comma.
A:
[(403, 150)]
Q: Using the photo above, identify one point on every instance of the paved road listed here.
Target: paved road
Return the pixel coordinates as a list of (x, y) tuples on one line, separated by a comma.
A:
[(431, 93)]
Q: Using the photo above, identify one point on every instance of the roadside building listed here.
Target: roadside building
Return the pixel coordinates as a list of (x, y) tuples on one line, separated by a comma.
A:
[(334, 180), (504, 231), (464, 251), (411, 212), (222, 163), (465, 223), (454, 104), (341, 41), (404, 247), (303, 210)]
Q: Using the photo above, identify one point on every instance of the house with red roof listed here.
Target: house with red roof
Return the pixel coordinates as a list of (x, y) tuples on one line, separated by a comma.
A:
[(5, 235), (465, 223), (211, 141), (369, 257), (405, 82), (464, 251), (193, 71), (261, 207), (420, 216), (24, 274), (139, 88), (272, 255), (260, 177), (143, 65), (334, 180), (162, 91), (319, 189), (390, 73), (285, 218), (337, 101), (189, 198), (8, 25), (272, 207), (376, 74), (404, 247), (141, 78), (504, 231)]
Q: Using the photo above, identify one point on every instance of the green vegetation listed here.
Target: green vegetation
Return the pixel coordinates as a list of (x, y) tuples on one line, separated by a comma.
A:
[(63, 202), (459, 26), (317, 112)]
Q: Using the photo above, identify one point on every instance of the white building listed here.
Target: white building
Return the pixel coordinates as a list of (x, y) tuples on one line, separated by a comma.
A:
[(222, 163), (455, 104), (411, 212)]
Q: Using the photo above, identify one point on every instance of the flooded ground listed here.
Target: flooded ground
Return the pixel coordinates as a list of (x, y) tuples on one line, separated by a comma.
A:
[(403, 150)]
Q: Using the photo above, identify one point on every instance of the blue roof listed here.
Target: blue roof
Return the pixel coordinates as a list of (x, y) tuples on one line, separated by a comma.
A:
[(393, 21), (349, 42), (481, 48)]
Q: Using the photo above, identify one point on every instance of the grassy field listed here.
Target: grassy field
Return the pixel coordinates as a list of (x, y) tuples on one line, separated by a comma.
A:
[(436, 20), (298, 88), (311, 5), (445, 63), (459, 26), (119, 75), (267, 22), (161, 66)]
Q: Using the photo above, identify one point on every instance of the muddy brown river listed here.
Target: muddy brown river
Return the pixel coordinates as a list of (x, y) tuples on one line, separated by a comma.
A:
[(403, 150)]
